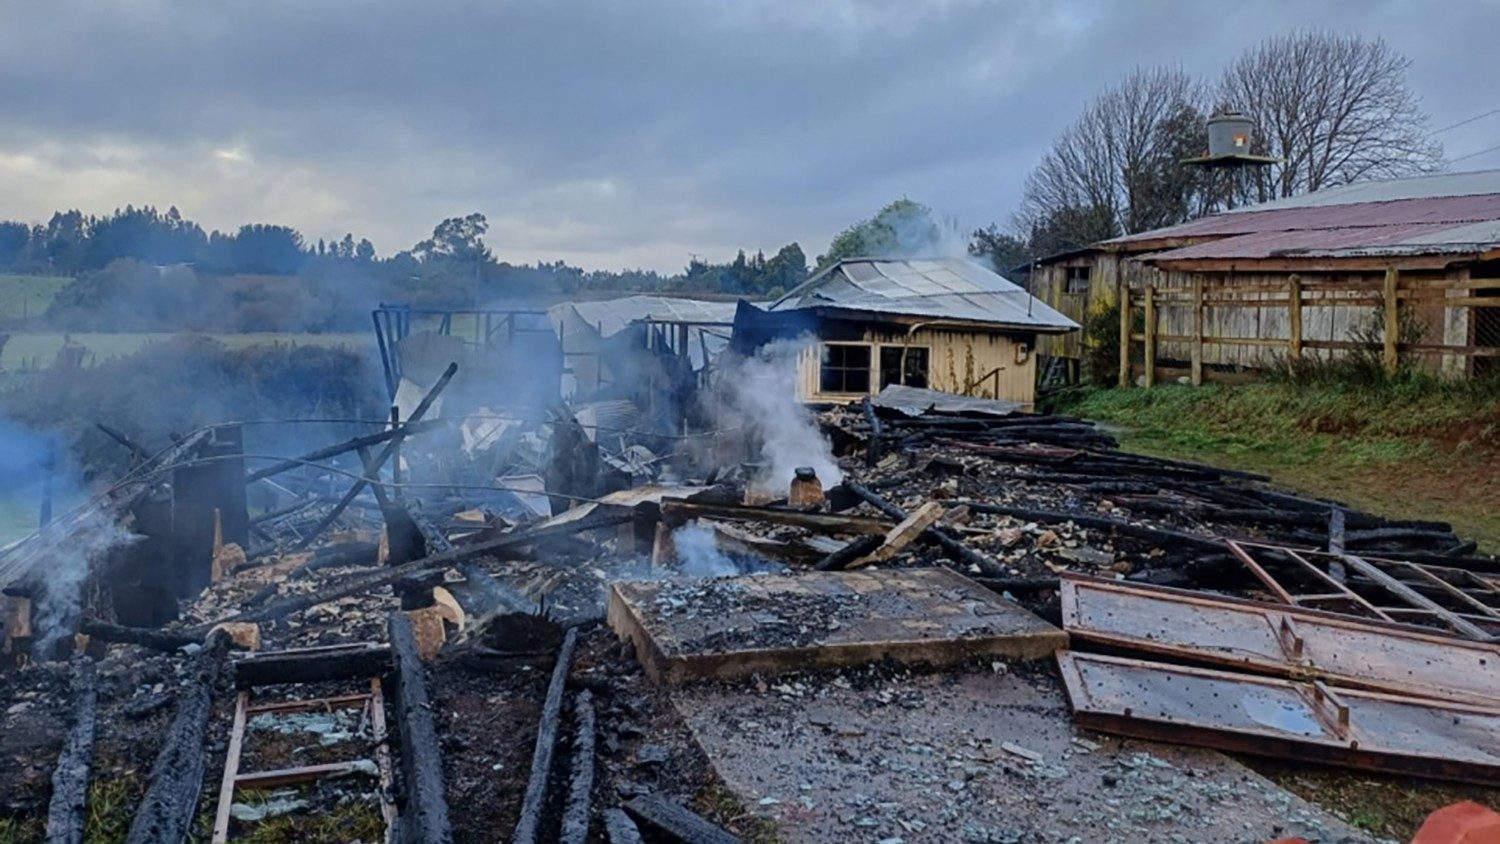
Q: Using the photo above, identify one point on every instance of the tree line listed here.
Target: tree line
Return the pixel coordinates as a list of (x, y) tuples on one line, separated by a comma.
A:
[(1332, 108)]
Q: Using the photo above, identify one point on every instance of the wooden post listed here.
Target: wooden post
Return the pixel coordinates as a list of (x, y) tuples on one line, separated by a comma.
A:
[(1197, 373), (1124, 298), (1150, 335), (1392, 321), (1294, 318)]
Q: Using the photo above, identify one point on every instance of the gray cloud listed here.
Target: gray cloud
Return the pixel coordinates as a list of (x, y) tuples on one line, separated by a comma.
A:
[(614, 134)]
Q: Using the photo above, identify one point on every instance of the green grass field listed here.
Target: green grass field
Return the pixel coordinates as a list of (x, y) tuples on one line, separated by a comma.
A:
[(1421, 451), (24, 296), (32, 349)]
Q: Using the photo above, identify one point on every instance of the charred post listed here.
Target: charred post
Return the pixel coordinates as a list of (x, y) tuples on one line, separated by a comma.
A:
[(676, 824), (166, 812), (535, 800), (424, 812), (575, 821), (67, 813)]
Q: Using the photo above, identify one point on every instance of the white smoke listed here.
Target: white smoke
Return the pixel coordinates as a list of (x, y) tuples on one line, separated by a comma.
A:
[(699, 554), (760, 394), (63, 565)]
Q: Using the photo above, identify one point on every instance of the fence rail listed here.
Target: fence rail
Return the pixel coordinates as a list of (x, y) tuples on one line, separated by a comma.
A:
[(1174, 325)]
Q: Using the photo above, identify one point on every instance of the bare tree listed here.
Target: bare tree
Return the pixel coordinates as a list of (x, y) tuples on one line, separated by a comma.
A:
[(1334, 108), (1117, 169)]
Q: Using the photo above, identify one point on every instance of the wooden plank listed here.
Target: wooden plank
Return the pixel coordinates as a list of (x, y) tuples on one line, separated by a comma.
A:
[(1392, 333), (934, 616), (380, 737), (424, 816), (1124, 299), (311, 704), (675, 823), (1197, 350), (1294, 316), (1150, 335), (678, 510), (295, 776), (67, 815), (903, 535), (231, 769)]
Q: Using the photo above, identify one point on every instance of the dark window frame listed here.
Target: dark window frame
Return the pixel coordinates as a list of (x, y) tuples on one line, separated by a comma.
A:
[(839, 375), (1076, 280), (912, 367)]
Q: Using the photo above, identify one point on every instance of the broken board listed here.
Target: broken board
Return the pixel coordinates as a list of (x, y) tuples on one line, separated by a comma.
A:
[(770, 624)]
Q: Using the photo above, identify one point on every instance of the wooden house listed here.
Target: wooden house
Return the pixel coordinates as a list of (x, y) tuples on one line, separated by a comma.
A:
[(944, 324), (1412, 265)]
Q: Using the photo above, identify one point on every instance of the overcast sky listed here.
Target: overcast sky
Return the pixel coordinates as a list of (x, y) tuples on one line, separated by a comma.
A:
[(616, 134)]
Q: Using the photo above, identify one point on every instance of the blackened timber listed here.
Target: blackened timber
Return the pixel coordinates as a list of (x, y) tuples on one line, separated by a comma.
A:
[(343, 448), (535, 800), (1159, 536), (576, 814), (310, 667), (365, 582), (67, 813), (676, 823), (137, 451), (165, 815), (872, 450), (840, 559), (424, 812), (1018, 584), (947, 541), (146, 637), (676, 510), (380, 459), (619, 828)]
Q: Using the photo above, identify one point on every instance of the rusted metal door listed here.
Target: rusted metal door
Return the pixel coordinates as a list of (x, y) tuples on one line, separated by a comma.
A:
[(1281, 640)]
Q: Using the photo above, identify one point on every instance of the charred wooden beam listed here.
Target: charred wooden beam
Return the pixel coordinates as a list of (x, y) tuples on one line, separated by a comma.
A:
[(872, 449), (619, 828), (1158, 536), (947, 541), (424, 812), (161, 640), (380, 459), (1018, 584), (311, 666), (137, 451), (344, 447), (167, 811), (576, 814), (840, 559), (67, 813), (676, 823), (365, 582), (534, 802), (676, 511)]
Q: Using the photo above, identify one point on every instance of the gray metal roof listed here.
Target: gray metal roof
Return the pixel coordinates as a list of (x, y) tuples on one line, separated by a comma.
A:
[(611, 316), (940, 288)]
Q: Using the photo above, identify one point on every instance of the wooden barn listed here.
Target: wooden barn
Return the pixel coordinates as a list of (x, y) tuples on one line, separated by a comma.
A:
[(1409, 266), (943, 324)]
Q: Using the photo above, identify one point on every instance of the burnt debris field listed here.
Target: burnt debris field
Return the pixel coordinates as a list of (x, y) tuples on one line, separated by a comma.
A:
[(948, 620)]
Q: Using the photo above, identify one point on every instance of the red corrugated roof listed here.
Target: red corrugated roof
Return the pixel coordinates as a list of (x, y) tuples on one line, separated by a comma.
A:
[(1331, 219), (1314, 242)]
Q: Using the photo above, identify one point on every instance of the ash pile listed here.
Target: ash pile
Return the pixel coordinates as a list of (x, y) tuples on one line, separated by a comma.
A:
[(557, 623)]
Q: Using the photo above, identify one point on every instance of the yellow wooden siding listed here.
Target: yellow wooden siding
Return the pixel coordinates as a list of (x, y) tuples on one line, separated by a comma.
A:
[(966, 362)]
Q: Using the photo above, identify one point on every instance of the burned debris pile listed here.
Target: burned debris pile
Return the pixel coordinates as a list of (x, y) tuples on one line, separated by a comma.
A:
[(471, 623)]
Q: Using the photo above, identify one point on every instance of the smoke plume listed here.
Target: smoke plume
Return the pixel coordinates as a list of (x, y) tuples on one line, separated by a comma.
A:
[(760, 394)]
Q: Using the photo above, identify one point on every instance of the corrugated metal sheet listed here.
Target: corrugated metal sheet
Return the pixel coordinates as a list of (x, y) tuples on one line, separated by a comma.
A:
[(1473, 183), (611, 316), (941, 288)]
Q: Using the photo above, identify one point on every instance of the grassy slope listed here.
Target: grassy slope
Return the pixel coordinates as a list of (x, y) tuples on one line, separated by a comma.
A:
[(1418, 450), (27, 295)]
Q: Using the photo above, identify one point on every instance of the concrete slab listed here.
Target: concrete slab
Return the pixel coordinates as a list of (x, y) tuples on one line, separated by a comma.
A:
[(972, 757), (770, 624)]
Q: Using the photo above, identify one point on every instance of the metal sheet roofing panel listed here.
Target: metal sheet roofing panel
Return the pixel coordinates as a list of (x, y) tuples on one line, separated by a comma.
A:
[(941, 288)]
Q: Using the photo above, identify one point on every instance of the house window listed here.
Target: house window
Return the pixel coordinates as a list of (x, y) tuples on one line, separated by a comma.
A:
[(903, 365), (1078, 280), (845, 368)]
